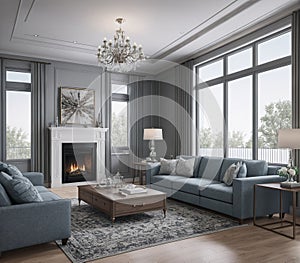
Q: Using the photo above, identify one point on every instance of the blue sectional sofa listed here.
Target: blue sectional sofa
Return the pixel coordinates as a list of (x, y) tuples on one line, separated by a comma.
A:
[(34, 223), (206, 189)]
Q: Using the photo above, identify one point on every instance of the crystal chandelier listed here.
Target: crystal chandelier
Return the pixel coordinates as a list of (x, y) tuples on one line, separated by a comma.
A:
[(119, 55)]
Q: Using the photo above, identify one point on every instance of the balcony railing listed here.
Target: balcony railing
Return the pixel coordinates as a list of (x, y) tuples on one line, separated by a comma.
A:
[(270, 155), (14, 153)]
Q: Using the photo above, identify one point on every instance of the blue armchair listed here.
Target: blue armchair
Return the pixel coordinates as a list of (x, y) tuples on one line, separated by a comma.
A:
[(29, 224)]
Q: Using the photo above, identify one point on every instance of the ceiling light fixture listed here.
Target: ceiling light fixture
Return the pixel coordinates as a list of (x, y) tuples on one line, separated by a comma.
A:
[(120, 55)]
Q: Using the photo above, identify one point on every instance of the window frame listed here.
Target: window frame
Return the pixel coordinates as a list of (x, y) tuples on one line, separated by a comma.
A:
[(270, 37), (121, 97), (252, 71), (14, 86), (234, 52)]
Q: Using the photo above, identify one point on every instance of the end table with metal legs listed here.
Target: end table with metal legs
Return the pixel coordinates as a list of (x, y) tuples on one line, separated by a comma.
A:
[(283, 223)]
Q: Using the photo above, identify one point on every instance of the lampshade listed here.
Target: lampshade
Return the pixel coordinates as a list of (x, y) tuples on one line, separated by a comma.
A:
[(153, 134), (289, 138)]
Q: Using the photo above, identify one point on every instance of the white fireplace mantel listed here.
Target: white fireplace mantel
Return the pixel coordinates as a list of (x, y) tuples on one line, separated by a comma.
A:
[(60, 135)]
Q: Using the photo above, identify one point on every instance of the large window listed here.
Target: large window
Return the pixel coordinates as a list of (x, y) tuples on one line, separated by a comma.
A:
[(119, 118), (18, 115), (252, 86)]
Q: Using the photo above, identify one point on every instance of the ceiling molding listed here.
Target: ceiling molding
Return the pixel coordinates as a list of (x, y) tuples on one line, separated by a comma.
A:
[(281, 13), (15, 21), (29, 11), (193, 29), (210, 27), (52, 43)]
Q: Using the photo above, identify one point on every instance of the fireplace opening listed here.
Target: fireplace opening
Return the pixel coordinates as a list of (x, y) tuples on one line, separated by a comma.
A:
[(78, 162)]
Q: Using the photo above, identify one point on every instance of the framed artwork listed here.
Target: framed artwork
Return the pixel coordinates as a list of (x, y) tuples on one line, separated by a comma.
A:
[(77, 106)]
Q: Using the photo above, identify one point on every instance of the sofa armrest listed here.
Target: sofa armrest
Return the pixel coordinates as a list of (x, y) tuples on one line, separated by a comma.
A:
[(243, 196), (34, 223), (151, 170), (35, 177)]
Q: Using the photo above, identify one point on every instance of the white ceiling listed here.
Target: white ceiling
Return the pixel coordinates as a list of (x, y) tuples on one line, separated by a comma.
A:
[(172, 30)]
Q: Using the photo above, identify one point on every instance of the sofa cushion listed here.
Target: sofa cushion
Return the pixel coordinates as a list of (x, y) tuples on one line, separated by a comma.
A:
[(49, 196), (256, 168), (167, 166), (243, 171), (220, 192), (210, 168), (196, 163), (231, 173), (225, 165), (185, 167), (273, 169), (10, 169), (191, 185), (164, 180), (19, 189), (4, 198), (41, 189)]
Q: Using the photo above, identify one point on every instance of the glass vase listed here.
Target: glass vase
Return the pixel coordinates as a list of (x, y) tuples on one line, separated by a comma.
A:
[(290, 178)]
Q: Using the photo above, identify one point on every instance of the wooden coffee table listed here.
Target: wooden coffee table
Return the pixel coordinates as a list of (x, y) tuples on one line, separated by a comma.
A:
[(112, 203)]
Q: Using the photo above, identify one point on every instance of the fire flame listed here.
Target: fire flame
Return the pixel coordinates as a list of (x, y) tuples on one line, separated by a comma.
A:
[(75, 167)]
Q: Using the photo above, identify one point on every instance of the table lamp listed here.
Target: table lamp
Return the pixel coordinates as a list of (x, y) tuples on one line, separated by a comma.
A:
[(289, 138), (152, 134)]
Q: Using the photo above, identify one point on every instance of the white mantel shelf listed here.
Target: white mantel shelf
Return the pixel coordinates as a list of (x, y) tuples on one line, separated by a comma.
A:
[(60, 135)]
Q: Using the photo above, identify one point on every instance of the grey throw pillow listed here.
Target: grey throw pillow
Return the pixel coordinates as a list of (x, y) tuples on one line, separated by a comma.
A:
[(19, 189), (167, 166), (10, 169), (231, 173), (4, 199), (243, 171), (185, 167)]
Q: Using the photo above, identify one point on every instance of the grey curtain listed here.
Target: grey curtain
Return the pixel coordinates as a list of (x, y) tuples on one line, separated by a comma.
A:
[(39, 128), (135, 91), (296, 76), (105, 104), (185, 97), (176, 84)]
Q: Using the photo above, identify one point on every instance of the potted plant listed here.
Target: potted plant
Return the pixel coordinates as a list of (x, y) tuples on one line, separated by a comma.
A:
[(288, 172)]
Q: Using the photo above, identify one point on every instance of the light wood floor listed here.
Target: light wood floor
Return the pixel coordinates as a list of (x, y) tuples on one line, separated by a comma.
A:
[(242, 244)]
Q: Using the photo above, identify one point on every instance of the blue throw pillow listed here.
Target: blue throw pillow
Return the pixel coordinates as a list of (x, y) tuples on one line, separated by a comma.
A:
[(4, 198), (10, 169), (19, 189)]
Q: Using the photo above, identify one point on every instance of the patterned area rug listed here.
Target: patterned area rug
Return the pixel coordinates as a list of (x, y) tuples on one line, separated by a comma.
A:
[(94, 236)]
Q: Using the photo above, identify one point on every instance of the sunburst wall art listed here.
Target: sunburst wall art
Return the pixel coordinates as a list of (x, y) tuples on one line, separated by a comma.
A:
[(77, 106)]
